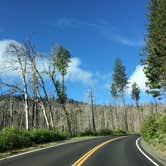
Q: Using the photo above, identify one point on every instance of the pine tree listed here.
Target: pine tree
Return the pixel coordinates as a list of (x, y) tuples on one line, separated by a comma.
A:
[(120, 78), (155, 48), (120, 81), (135, 93)]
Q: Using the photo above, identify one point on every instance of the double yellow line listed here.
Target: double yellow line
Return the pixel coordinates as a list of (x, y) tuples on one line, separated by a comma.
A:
[(80, 161)]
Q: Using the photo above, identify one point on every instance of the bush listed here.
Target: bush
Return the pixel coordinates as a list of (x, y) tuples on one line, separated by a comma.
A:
[(40, 136), (149, 129), (87, 133), (162, 124), (119, 132), (154, 131), (104, 132), (13, 138)]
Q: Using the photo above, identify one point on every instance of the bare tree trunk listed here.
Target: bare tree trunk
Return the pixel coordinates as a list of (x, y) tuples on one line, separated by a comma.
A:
[(68, 119), (22, 61), (42, 84), (26, 107), (112, 117), (125, 111), (34, 114), (92, 109), (63, 105), (41, 103), (11, 112)]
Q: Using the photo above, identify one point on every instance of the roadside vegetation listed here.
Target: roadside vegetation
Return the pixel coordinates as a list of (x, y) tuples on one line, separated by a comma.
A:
[(13, 138), (154, 132)]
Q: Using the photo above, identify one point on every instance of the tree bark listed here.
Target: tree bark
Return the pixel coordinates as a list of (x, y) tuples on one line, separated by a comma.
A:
[(125, 111)]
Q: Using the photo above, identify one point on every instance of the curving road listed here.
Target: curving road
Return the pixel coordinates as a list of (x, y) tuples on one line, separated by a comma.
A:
[(120, 152)]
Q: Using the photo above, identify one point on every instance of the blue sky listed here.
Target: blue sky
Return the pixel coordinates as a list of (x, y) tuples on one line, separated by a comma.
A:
[(95, 32)]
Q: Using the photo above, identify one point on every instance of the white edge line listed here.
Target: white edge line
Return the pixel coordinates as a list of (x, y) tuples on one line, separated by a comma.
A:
[(144, 153), (40, 149)]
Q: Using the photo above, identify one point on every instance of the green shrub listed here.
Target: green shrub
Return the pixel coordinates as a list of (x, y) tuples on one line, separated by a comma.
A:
[(105, 132), (119, 132), (102, 132), (154, 131), (13, 138), (162, 124), (40, 136), (87, 132), (149, 129)]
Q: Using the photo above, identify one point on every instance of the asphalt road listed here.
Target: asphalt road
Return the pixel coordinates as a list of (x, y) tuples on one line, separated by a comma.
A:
[(122, 152)]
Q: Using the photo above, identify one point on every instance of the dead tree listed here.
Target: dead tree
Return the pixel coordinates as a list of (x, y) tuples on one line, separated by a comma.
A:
[(32, 55), (91, 96), (21, 62)]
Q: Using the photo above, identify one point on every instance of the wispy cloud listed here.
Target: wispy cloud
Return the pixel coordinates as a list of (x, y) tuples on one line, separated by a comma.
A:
[(130, 42), (102, 27), (74, 23)]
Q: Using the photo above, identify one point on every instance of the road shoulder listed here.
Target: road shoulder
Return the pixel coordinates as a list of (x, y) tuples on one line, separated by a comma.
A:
[(161, 158)]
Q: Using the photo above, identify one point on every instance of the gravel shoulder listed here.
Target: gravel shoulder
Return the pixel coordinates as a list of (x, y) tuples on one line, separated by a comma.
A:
[(158, 156)]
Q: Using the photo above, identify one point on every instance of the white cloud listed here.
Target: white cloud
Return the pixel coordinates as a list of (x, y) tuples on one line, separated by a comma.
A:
[(75, 72), (139, 77)]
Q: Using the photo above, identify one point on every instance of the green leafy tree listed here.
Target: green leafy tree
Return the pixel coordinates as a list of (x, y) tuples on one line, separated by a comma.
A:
[(135, 93), (155, 48), (61, 62), (120, 80)]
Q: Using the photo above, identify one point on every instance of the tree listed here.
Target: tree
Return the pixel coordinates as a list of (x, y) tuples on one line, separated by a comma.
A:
[(61, 63), (91, 96), (21, 62), (114, 95), (32, 56), (62, 60), (120, 81), (120, 78), (155, 48), (135, 93)]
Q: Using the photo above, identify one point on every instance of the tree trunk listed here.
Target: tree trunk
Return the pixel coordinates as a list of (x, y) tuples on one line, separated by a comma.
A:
[(26, 107), (125, 111), (92, 109), (45, 115), (68, 119)]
